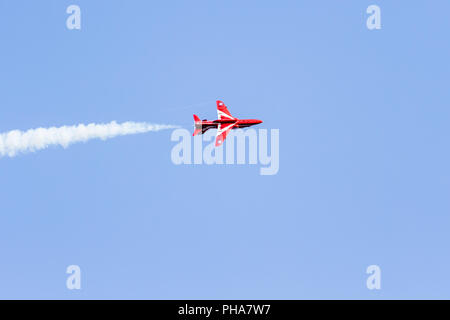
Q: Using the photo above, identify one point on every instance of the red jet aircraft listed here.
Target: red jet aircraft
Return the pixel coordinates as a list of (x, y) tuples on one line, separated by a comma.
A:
[(224, 124)]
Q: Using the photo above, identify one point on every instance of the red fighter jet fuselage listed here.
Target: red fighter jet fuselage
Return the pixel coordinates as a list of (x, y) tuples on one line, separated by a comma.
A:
[(224, 124)]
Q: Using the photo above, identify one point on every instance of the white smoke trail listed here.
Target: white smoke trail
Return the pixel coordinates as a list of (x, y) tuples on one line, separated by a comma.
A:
[(16, 141)]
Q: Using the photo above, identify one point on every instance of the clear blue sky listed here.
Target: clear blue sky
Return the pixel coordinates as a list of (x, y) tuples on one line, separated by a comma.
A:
[(364, 159)]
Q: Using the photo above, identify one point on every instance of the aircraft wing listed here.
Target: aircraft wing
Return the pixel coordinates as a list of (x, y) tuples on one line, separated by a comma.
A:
[(222, 132), (222, 111)]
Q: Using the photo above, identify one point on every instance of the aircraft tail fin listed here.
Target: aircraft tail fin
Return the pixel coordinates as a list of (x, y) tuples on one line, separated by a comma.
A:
[(197, 125)]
